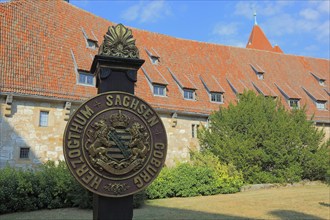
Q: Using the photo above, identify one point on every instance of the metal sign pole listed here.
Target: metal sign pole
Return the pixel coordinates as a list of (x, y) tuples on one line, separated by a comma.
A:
[(115, 144), (114, 74)]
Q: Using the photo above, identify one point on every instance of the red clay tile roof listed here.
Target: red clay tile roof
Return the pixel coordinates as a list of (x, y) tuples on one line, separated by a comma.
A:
[(316, 94), (211, 83), (264, 89), (287, 91), (42, 46), (277, 49), (259, 41)]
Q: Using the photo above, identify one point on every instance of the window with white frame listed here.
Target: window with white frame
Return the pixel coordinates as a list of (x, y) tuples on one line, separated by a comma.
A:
[(188, 94), (216, 97), (43, 118), (322, 82), (85, 78), (159, 90), (320, 105), (294, 103)]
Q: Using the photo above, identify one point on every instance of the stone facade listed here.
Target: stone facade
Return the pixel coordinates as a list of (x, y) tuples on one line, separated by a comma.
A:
[(21, 129)]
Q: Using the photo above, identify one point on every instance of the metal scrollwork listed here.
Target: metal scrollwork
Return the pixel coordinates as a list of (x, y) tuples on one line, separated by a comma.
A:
[(119, 42)]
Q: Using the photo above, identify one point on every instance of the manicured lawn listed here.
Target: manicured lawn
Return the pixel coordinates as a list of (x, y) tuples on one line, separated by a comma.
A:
[(299, 202)]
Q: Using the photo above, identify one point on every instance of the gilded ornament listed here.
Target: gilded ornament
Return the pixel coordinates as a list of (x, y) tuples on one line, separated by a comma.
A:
[(119, 42)]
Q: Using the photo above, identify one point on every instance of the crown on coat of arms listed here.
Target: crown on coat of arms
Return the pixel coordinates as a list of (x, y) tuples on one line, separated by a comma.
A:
[(119, 120)]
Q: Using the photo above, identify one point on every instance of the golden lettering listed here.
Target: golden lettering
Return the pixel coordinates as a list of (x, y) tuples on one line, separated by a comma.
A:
[(138, 182), (87, 112), (82, 170), (155, 162), (74, 153), (118, 100), (142, 108), (126, 101), (75, 127), (88, 177), (75, 162), (134, 104), (96, 182), (147, 113), (145, 176), (109, 100), (73, 143), (158, 154), (151, 170), (72, 135), (152, 121), (159, 146), (80, 119)]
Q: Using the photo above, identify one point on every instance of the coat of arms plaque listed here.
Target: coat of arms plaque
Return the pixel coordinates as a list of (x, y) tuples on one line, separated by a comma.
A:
[(115, 144)]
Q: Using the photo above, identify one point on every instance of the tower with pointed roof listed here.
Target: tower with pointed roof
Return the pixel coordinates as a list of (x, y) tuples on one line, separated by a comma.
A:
[(259, 41)]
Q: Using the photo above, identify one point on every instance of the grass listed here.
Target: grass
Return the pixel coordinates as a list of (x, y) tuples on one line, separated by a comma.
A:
[(299, 202)]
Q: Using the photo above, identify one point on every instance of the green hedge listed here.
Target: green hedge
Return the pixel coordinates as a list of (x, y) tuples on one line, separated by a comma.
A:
[(48, 187), (204, 175)]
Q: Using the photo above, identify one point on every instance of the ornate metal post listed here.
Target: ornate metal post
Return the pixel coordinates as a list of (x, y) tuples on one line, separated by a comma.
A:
[(115, 144), (116, 70)]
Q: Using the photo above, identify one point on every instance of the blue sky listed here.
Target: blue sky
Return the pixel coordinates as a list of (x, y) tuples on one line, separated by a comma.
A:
[(298, 27)]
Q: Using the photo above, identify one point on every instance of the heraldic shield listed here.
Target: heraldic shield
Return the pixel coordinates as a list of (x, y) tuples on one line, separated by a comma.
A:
[(115, 144)]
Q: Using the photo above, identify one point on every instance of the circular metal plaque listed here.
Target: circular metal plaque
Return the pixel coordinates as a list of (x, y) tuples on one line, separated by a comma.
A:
[(115, 144)]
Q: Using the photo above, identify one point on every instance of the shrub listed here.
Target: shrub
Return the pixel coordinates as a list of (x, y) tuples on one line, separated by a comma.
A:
[(49, 186), (267, 143), (204, 175)]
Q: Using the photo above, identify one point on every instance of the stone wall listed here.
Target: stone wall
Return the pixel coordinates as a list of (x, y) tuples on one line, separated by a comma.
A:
[(180, 136), (326, 129), (21, 129)]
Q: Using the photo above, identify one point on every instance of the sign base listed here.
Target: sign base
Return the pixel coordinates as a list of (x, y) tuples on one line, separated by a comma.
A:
[(108, 208)]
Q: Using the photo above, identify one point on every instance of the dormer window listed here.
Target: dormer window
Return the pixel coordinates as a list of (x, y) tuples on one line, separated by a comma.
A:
[(188, 94), (153, 56), (322, 82), (85, 78), (216, 97), (154, 60), (294, 103), (320, 105), (260, 72), (320, 79), (260, 76), (91, 44), (159, 90), (91, 40)]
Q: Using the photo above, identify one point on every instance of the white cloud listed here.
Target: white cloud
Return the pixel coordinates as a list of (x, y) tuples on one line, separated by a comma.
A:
[(223, 29), (322, 6), (323, 32), (147, 12), (245, 9), (309, 14), (264, 8), (132, 13)]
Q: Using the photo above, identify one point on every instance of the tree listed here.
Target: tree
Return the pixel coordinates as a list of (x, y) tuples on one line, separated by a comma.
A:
[(265, 141)]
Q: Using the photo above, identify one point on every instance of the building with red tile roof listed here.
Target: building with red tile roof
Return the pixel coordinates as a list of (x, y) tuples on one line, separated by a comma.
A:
[(47, 48)]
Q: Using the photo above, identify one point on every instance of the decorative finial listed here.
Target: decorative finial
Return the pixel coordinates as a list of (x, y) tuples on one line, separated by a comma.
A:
[(255, 18), (119, 42)]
